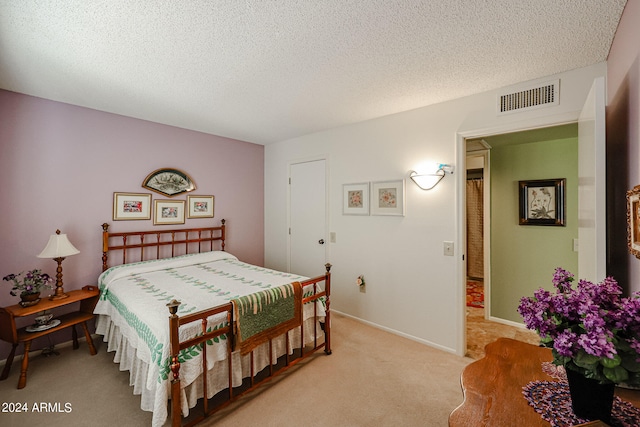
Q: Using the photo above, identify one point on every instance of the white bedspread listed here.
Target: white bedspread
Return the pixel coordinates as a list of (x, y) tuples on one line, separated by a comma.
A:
[(133, 318)]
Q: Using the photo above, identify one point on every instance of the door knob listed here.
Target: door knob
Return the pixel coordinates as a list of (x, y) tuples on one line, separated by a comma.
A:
[(321, 241)]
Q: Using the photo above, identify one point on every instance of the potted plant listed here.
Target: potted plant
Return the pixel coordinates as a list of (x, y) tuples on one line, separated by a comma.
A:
[(29, 286), (592, 331)]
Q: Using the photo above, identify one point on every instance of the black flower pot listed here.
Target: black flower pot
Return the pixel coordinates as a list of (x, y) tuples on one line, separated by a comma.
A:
[(589, 398)]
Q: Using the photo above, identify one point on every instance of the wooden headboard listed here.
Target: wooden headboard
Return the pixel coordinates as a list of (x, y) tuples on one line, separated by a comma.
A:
[(143, 245)]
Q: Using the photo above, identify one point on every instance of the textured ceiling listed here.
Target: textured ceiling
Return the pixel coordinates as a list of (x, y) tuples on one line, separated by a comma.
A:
[(264, 71)]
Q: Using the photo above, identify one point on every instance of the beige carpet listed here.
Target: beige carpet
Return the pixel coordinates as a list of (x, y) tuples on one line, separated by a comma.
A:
[(373, 378)]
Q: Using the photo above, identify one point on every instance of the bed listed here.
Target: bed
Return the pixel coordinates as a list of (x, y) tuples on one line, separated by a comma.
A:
[(187, 319)]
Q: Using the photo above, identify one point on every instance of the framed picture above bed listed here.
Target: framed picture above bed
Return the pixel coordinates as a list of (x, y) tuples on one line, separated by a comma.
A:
[(542, 202), (131, 206), (200, 206), (355, 199), (168, 212), (169, 182), (387, 198)]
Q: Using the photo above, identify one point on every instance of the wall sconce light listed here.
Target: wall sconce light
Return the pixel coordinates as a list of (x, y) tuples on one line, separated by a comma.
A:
[(428, 181), (58, 248)]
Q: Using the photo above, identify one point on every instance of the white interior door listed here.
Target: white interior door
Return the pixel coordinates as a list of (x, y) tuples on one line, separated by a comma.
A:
[(307, 232), (592, 232)]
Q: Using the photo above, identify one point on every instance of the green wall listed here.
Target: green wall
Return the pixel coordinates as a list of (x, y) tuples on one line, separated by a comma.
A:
[(524, 257)]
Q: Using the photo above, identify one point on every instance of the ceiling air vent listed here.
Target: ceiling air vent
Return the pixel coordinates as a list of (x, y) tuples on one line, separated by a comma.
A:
[(545, 95)]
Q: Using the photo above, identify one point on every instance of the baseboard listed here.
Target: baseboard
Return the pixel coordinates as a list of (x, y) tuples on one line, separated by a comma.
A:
[(63, 344), (507, 322), (398, 333)]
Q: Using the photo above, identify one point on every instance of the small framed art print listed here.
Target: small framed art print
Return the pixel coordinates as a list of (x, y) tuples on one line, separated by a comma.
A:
[(200, 206), (542, 202), (168, 212), (131, 206), (355, 199), (387, 198)]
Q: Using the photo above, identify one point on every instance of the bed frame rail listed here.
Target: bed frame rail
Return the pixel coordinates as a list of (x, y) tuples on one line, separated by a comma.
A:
[(185, 240), (227, 331)]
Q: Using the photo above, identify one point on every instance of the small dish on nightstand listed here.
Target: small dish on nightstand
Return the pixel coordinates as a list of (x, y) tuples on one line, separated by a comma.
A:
[(38, 328)]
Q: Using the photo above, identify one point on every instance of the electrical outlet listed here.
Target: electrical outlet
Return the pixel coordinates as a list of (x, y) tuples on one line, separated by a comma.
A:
[(576, 247), (448, 248), (332, 236)]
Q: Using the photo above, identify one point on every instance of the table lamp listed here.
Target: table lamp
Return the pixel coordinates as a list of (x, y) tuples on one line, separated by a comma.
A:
[(58, 248)]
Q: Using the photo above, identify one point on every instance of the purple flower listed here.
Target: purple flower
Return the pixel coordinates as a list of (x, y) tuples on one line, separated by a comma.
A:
[(586, 323), (534, 311), (565, 343), (598, 343), (33, 281), (592, 319), (562, 279)]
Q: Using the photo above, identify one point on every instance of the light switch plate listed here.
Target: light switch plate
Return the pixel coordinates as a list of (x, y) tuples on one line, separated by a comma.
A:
[(448, 248)]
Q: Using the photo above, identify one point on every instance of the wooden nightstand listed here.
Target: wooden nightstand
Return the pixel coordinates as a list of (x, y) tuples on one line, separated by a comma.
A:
[(87, 297)]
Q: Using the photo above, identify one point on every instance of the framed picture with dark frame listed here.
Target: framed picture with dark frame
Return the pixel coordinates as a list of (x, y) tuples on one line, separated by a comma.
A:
[(633, 221), (169, 182), (542, 202)]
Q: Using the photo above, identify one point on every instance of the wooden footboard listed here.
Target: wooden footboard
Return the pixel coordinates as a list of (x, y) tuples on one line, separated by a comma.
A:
[(228, 332)]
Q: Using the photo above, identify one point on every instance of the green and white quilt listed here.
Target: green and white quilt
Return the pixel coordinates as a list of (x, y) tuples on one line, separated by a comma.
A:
[(132, 313)]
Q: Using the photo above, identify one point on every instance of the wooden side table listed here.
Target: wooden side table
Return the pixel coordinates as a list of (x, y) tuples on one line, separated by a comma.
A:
[(87, 297), (492, 387)]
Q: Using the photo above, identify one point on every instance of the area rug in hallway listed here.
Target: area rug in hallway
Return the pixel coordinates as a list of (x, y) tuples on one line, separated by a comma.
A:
[(475, 293)]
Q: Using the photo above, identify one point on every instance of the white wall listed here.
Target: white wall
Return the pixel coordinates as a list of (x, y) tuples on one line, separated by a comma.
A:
[(412, 288)]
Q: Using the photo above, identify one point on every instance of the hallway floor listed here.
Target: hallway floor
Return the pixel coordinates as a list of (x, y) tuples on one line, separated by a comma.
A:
[(481, 332)]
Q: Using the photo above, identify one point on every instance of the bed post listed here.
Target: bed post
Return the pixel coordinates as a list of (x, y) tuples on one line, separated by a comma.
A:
[(327, 326), (222, 235), (174, 324), (105, 245)]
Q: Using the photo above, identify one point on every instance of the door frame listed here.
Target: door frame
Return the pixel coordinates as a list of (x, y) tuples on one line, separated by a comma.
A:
[(327, 192), (461, 235), (592, 194)]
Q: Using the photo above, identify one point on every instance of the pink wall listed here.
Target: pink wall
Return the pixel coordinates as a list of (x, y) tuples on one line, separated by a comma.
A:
[(623, 132), (59, 167)]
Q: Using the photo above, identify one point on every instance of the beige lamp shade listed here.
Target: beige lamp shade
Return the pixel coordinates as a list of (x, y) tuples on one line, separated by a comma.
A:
[(58, 246)]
